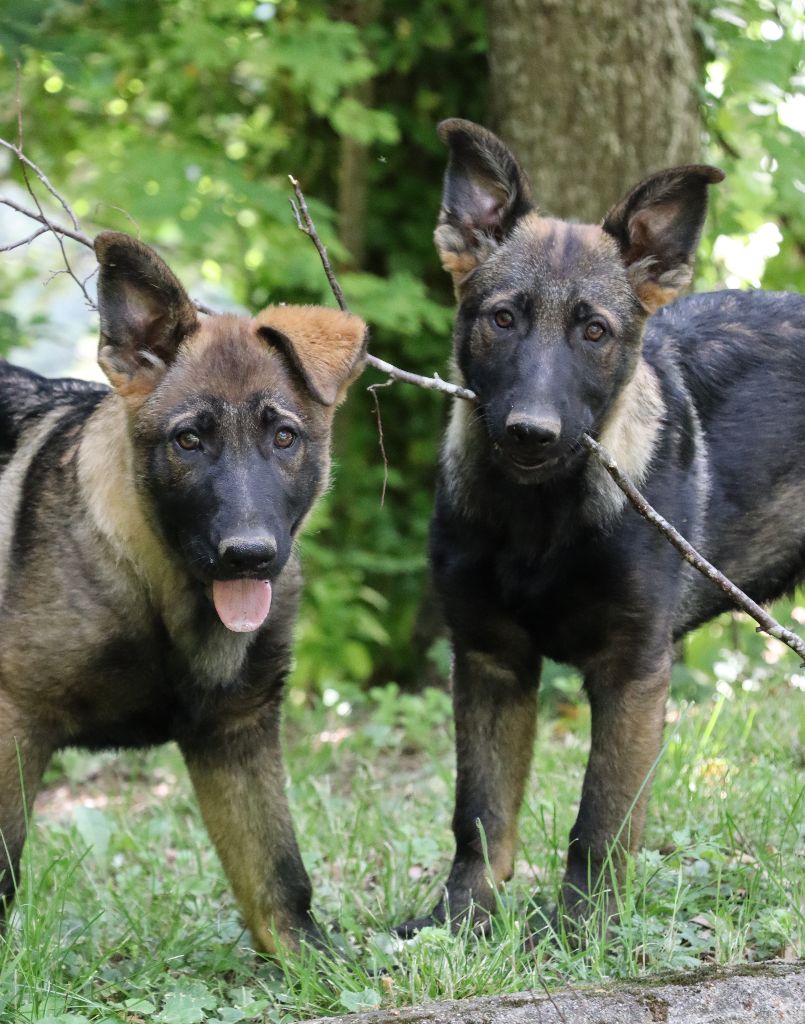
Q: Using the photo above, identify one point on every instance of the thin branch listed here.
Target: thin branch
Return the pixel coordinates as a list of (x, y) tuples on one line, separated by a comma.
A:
[(305, 223), (27, 164), (16, 149), (24, 241), (690, 554), (77, 235), (434, 383), (766, 623), (372, 389)]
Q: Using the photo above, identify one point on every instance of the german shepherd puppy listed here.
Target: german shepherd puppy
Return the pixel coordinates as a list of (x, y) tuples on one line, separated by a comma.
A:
[(534, 550), (148, 578)]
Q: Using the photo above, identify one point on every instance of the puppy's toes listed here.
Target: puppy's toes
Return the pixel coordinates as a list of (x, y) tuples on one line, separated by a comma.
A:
[(408, 929)]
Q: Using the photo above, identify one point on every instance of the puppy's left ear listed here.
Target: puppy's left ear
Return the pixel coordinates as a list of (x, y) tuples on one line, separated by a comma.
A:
[(144, 311), (657, 227), (326, 347)]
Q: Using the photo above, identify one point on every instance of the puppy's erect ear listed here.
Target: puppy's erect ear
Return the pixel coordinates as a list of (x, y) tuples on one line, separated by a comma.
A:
[(145, 313), (325, 346), (485, 193), (657, 228)]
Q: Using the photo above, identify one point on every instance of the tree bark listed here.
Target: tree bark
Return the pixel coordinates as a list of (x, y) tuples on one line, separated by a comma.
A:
[(764, 993), (353, 156), (593, 95)]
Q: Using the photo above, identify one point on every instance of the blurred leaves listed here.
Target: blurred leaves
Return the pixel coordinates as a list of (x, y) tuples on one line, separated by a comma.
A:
[(754, 109)]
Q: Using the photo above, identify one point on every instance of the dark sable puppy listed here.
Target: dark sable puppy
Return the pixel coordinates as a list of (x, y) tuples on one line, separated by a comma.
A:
[(533, 548), (148, 581)]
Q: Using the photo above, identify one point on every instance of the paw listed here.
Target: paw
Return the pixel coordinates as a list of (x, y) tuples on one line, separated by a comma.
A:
[(478, 918), (408, 929), (578, 920)]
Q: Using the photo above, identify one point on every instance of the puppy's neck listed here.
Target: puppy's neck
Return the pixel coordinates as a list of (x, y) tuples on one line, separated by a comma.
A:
[(630, 432), (107, 478)]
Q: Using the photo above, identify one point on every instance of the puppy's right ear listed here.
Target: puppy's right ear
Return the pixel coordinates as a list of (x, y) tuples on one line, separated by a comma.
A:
[(144, 311), (485, 193)]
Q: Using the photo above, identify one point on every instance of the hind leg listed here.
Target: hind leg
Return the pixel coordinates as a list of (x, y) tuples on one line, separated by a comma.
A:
[(22, 762)]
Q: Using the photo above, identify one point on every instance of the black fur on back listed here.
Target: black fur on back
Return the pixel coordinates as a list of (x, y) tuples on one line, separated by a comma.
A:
[(25, 396)]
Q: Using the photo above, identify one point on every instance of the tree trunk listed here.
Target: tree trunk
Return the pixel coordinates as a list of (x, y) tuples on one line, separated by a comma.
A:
[(353, 155), (593, 95)]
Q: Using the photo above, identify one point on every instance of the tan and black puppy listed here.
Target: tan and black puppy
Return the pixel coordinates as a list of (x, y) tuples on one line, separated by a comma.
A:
[(148, 578), (560, 332)]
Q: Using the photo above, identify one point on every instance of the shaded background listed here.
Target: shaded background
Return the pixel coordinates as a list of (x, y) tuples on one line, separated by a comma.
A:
[(180, 120)]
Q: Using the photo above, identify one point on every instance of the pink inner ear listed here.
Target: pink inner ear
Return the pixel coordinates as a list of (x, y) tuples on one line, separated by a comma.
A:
[(646, 228), (143, 315), (490, 211)]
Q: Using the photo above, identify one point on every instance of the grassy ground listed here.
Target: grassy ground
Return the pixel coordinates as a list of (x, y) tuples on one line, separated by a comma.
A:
[(124, 915)]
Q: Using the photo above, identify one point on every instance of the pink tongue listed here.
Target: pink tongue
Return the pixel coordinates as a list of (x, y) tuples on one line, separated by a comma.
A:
[(242, 605)]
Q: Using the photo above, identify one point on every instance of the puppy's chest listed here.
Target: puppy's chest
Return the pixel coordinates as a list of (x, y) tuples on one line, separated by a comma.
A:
[(565, 597), (143, 690)]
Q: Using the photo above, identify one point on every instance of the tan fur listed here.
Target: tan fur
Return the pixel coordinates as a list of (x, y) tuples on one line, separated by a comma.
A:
[(329, 344), (11, 486), (487, 682), (653, 295), (244, 812), (458, 257), (630, 434), (135, 387)]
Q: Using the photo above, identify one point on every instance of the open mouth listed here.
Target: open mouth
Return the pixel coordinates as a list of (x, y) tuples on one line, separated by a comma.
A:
[(242, 605)]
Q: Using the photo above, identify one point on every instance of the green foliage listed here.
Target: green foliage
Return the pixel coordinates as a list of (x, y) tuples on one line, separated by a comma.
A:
[(754, 107), (181, 119)]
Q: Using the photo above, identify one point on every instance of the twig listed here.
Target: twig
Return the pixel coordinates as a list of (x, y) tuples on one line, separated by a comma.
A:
[(372, 389), (25, 165), (24, 241), (305, 223), (690, 554), (77, 236), (40, 174), (434, 383), (766, 623)]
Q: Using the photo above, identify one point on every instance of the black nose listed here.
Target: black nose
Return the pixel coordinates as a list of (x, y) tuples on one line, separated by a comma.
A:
[(532, 431), (248, 553)]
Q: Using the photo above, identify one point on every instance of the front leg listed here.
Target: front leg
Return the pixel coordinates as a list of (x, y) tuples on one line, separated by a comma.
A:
[(25, 749), (628, 710), (495, 704), (239, 779)]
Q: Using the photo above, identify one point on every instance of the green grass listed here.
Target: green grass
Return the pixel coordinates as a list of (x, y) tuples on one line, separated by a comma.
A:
[(124, 915)]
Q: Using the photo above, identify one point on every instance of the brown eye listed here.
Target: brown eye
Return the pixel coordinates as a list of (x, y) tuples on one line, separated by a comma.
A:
[(504, 318), (188, 440), (284, 438), (594, 331)]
